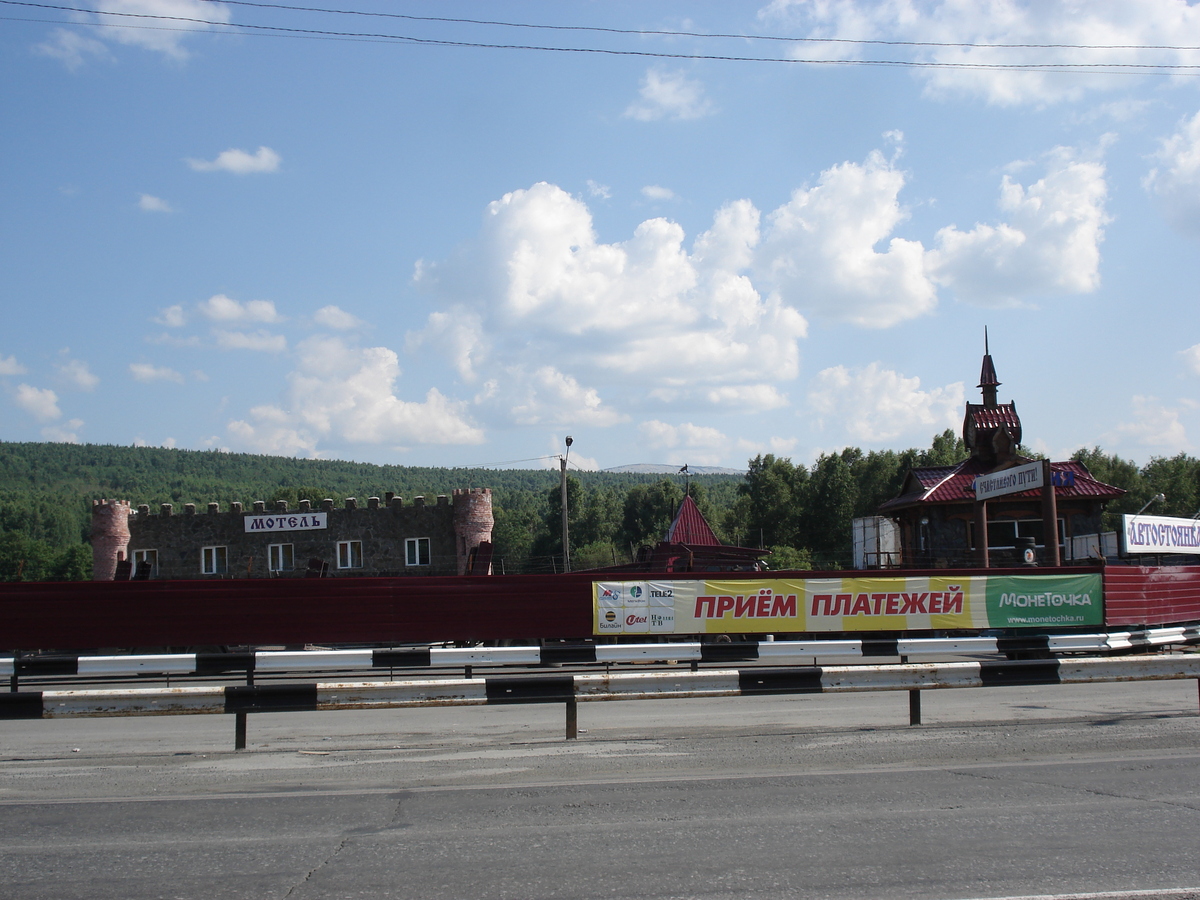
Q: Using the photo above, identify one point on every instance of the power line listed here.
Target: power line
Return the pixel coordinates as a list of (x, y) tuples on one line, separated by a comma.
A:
[(647, 32), (322, 34)]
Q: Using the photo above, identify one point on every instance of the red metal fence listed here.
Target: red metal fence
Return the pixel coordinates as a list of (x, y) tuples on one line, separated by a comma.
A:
[(1135, 595), (131, 614)]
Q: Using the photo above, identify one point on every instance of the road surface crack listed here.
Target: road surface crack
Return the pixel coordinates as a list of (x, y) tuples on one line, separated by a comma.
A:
[(332, 856)]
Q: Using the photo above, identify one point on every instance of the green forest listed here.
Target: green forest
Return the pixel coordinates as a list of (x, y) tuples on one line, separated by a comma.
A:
[(802, 513)]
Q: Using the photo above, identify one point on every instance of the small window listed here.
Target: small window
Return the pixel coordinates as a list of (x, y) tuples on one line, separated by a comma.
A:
[(214, 560), (280, 557), (350, 555), (416, 551), (145, 564)]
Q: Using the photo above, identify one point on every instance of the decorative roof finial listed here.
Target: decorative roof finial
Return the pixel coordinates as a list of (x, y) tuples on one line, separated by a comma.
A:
[(987, 376)]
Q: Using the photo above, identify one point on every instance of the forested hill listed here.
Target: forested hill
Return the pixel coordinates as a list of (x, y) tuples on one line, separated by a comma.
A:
[(73, 475), (47, 489), (803, 513), (159, 475)]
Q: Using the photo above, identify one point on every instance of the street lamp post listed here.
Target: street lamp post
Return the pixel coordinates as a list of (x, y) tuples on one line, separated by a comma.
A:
[(563, 487), (1157, 498)]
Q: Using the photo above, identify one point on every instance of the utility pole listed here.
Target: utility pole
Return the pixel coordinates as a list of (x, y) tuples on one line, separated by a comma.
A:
[(562, 460)]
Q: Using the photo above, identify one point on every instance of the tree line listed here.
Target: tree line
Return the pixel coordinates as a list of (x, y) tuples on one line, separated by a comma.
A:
[(802, 513)]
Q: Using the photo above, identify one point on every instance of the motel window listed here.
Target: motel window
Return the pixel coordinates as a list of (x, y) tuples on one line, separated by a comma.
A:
[(280, 557), (145, 564), (214, 560), (350, 555), (416, 551)]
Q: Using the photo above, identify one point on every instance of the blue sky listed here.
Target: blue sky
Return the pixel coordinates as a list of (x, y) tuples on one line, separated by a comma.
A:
[(308, 243)]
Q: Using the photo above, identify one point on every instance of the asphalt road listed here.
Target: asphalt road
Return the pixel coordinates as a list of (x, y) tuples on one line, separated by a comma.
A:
[(1085, 789)]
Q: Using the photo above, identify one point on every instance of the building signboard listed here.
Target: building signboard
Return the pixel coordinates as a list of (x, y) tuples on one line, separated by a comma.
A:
[(1010, 481), (780, 605), (1160, 534), (308, 521)]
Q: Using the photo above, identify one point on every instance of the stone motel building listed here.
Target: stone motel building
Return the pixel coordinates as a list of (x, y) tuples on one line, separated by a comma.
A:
[(385, 537)]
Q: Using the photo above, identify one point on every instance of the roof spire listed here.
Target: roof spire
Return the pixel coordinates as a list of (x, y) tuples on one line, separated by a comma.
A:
[(987, 376)]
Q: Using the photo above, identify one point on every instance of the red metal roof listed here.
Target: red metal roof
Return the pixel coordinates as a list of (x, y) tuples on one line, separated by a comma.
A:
[(989, 417), (690, 527), (955, 484)]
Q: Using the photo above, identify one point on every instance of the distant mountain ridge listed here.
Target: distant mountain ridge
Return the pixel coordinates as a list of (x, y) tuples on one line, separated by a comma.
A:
[(664, 469)]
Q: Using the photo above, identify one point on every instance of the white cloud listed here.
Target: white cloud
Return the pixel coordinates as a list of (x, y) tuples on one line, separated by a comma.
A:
[(459, 337), (747, 398), (1154, 426), (336, 318), (1175, 178), (656, 192), (65, 433), (718, 325), (77, 374), (1191, 356), (148, 24), (686, 443), (260, 341), (41, 403), (73, 49), (547, 396), (10, 366), (220, 308), (876, 405), (1149, 23), (1050, 243), (819, 249), (171, 316), (538, 284), (147, 373), (669, 95), (149, 203), (239, 162), (346, 394), (602, 191)]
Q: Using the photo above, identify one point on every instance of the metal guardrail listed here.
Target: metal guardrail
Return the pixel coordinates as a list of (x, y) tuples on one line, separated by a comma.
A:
[(571, 689), (780, 652)]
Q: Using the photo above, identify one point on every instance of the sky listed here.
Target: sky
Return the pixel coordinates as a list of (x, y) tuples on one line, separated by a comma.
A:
[(454, 233)]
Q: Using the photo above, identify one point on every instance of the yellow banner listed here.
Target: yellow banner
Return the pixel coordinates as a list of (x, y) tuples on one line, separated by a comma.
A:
[(768, 605)]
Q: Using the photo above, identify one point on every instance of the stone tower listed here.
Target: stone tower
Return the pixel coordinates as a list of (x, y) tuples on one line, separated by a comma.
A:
[(472, 522), (110, 537)]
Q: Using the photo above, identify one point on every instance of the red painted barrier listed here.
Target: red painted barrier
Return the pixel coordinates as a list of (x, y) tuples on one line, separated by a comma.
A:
[(292, 611), (144, 614), (1160, 595)]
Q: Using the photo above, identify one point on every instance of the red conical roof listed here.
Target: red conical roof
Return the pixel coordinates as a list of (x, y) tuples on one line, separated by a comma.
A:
[(690, 527)]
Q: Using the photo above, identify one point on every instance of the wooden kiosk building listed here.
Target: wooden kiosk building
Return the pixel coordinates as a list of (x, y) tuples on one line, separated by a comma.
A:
[(940, 518)]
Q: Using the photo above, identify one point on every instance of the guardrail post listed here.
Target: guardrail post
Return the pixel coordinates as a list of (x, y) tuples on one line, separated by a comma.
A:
[(239, 719), (572, 718), (914, 702)]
